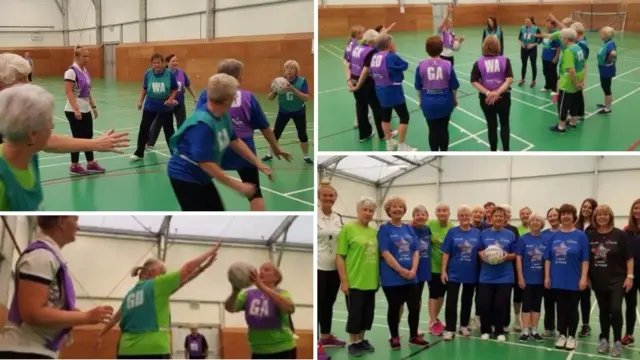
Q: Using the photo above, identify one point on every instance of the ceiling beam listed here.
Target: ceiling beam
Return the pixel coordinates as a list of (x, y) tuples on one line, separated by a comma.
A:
[(385, 161), (59, 4), (163, 237), (281, 229)]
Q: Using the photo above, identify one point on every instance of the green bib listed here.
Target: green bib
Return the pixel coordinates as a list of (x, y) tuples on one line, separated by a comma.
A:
[(158, 85), (220, 127), (21, 199), (578, 56), (602, 54), (530, 36), (288, 100), (497, 32)]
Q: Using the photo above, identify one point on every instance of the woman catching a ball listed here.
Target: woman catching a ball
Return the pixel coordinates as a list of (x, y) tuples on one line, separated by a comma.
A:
[(292, 98), (145, 311), (267, 311), (498, 247), (450, 41)]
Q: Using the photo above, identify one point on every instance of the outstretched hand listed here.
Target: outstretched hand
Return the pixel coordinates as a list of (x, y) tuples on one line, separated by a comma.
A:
[(111, 141)]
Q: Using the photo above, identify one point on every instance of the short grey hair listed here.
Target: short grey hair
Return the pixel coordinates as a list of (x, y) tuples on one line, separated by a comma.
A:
[(443, 205), (608, 32), (13, 68), (222, 88), (232, 67), (369, 36), (24, 108), (383, 41), (539, 217), (463, 208), (419, 208), (568, 34), (578, 27), (366, 202), (507, 207)]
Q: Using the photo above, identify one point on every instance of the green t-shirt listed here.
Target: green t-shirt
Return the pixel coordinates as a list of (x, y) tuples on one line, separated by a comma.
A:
[(522, 230), (269, 341), (359, 247), (438, 234), (24, 178), (571, 57), (146, 317)]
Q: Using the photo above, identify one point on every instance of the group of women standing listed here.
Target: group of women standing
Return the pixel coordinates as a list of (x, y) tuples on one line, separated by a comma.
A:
[(375, 74), (580, 250)]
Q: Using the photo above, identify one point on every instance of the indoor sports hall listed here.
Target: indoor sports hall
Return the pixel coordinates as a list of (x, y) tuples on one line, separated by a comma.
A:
[(106, 248), (532, 110), (121, 36), (537, 182)]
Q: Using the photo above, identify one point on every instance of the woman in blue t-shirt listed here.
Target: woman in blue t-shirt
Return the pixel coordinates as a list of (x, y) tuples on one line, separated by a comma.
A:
[(631, 297), (553, 218), (607, 67), (496, 281), (460, 268), (422, 233), (565, 272), (530, 262), (550, 55), (398, 269)]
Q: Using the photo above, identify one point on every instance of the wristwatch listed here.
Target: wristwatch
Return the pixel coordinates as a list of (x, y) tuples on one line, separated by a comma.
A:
[(630, 277)]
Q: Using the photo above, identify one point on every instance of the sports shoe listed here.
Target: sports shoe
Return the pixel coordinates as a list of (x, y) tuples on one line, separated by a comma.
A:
[(418, 341), (603, 346), (394, 343), (549, 334), (448, 336), (368, 137), (561, 342), (537, 337), (356, 349), (405, 147), (331, 342), (617, 349), (524, 338), (78, 170), (322, 355), (366, 346), (392, 144), (571, 343), (95, 168), (485, 336), (464, 331), (628, 340), (585, 331), (475, 322), (436, 328), (501, 338)]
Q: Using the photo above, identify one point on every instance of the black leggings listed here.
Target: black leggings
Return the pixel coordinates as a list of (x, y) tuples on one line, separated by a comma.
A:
[(610, 306), (550, 71), (549, 310), (148, 117), (631, 301), (281, 355), (361, 305), (585, 305), (500, 111), (328, 287), (180, 113), (449, 59), (366, 98), (437, 289), (81, 129), (439, 134), (532, 55), (605, 83), (451, 308), (197, 197), (494, 298), (532, 299), (397, 296), (299, 120), (567, 311), (19, 355), (401, 110)]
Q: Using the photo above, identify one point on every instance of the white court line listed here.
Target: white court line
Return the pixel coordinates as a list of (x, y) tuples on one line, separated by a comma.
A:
[(332, 90), (615, 101), (299, 191), (458, 108), (467, 138)]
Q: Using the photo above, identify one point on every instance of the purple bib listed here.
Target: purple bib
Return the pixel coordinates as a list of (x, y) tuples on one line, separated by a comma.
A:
[(358, 55), (240, 114), (379, 70), (194, 344), (66, 284), (350, 46), (181, 79), (435, 74), (83, 80), (260, 312), (448, 37), (493, 71)]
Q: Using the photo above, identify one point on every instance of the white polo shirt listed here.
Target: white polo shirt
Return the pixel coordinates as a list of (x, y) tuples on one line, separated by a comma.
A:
[(329, 227), (41, 266)]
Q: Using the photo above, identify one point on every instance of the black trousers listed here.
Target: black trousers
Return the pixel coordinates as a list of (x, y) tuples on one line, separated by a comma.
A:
[(401, 110), (549, 310), (532, 299), (550, 71), (610, 306), (397, 296), (197, 197), (366, 98), (451, 308), (18, 355), (631, 302), (529, 55), (281, 355), (179, 112), (81, 129), (580, 104), (299, 120), (567, 311), (148, 117), (494, 298), (361, 305), (585, 305), (328, 287), (498, 113), (439, 133)]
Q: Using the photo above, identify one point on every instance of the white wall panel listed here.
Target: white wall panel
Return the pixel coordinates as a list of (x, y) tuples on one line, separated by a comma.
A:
[(111, 34), (465, 168), (162, 8), (119, 11), (550, 165), (82, 15), (181, 28), (618, 162), (619, 189), (30, 13), (422, 175), (542, 193), (349, 193), (130, 33), (260, 20), (425, 195), (360, 2), (82, 37), (456, 194)]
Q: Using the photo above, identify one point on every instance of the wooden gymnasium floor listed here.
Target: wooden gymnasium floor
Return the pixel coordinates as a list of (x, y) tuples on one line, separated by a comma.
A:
[(144, 186), (531, 111)]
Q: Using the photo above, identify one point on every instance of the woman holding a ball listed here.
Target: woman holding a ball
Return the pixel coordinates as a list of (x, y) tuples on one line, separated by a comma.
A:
[(268, 312), (565, 272), (497, 251), (450, 41)]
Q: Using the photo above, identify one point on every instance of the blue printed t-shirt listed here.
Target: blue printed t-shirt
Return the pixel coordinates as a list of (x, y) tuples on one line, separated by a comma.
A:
[(197, 143), (500, 273), (532, 249), (423, 238), (399, 241), (393, 95), (304, 88), (438, 105), (550, 48), (607, 68), (157, 105), (182, 79), (462, 248), (566, 253)]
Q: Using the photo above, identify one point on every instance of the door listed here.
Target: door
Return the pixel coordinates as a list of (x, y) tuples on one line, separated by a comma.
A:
[(110, 61)]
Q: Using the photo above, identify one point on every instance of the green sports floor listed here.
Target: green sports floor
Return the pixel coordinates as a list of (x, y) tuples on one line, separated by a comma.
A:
[(531, 111), (144, 186), (465, 348)]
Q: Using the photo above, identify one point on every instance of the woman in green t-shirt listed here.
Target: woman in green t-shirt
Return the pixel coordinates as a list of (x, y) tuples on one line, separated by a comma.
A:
[(358, 262), (437, 289)]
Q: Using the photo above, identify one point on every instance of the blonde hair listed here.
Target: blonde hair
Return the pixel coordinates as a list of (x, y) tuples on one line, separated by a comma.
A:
[(608, 32), (418, 209), (568, 34), (491, 46), (369, 37), (393, 201), (567, 21), (356, 29), (231, 67), (222, 89), (578, 27), (326, 184), (366, 202), (539, 217), (443, 205), (144, 269), (478, 208), (292, 64), (77, 51), (603, 208), (383, 41)]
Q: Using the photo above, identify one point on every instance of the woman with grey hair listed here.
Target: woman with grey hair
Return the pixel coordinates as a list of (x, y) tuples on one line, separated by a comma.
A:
[(198, 147), (607, 67), (358, 262)]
